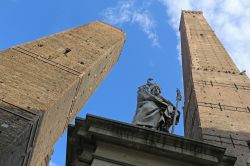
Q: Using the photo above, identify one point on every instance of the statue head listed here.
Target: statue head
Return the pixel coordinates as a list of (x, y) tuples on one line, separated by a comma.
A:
[(156, 90), (149, 83)]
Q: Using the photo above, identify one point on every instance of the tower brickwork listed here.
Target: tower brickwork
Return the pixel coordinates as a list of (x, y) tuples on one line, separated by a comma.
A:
[(217, 94), (44, 84)]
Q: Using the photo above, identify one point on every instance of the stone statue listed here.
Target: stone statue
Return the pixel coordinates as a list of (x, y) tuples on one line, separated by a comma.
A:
[(153, 110)]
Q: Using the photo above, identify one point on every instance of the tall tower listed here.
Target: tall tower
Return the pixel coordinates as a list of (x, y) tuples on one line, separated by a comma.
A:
[(43, 85), (217, 94)]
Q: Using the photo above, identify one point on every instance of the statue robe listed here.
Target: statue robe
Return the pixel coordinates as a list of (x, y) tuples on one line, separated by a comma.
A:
[(148, 108)]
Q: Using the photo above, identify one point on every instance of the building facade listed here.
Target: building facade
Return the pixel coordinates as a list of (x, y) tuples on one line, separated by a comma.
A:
[(217, 94), (43, 85)]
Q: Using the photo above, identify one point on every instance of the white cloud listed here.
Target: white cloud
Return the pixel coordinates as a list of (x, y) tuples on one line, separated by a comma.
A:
[(128, 11), (230, 20)]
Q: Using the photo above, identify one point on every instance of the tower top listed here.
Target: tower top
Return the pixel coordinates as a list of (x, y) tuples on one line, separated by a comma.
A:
[(191, 11), (188, 12)]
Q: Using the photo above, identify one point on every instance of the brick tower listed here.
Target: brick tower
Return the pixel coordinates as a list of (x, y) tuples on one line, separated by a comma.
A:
[(217, 94), (43, 85)]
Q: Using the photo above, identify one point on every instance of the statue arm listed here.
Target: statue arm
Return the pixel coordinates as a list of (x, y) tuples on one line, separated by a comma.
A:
[(145, 95), (167, 101), (159, 100)]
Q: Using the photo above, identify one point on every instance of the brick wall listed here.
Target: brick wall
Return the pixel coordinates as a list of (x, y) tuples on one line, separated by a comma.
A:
[(217, 95), (54, 76)]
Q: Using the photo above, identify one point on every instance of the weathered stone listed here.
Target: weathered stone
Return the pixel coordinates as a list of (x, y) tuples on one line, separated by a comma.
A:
[(97, 141)]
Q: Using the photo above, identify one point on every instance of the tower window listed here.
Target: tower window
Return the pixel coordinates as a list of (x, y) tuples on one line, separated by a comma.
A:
[(248, 144)]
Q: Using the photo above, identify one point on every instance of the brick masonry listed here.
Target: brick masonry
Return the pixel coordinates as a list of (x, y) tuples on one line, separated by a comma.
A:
[(217, 94), (51, 78)]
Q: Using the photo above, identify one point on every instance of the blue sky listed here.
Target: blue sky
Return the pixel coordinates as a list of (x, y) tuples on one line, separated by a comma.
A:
[(151, 48)]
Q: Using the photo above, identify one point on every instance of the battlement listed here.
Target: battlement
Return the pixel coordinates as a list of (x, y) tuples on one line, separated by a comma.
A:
[(191, 12)]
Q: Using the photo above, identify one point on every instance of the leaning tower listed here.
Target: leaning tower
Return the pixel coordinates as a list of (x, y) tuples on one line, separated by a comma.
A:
[(217, 94), (44, 84)]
